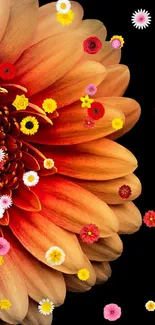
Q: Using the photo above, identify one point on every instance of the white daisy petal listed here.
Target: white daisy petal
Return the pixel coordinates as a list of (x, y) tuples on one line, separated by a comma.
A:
[(2, 154), (63, 6), (2, 210)]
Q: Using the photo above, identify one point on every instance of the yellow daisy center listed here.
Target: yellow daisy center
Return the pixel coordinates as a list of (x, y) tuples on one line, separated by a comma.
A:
[(63, 5), (1, 260), (5, 304), (65, 19), (55, 256), (48, 163), (151, 218), (46, 307), (30, 178), (117, 123), (83, 274), (89, 233)]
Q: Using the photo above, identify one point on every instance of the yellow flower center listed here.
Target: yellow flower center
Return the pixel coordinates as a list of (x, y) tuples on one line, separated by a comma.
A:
[(46, 307), (63, 5), (89, 233), (30, 178), (5, 304), (55, 256), (151, 218), (48, 163)]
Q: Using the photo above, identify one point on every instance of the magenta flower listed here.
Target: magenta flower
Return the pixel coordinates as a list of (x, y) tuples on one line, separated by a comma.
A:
[(91, 90), (4, 246), (112, 312)]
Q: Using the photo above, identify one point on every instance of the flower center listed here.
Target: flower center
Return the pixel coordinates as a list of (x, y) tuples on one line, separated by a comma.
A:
[(92, 45), (63, 5), (89, 233), (96, 110), (29, 125), (112, 311)]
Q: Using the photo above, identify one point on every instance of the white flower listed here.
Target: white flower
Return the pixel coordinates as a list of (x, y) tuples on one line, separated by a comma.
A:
[(2, 154), (141, 19), (55, 255), (5, 201), (48, 163), (63, 6), (30, 178), (2, 210), (46, 307)]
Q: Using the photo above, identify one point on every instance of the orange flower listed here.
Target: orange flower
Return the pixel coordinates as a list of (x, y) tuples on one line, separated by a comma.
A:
[(82, 186)]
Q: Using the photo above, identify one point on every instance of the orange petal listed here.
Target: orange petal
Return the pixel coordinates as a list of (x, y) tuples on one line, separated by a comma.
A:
[(48, 24), (29, 226), (34, 317), (75, 285), (129, 217), (115, 83), (109, 56), (71, 207), (72, 86), (130, 108), (4, 15), (41, 281), (51, 56), (103, 272), (13, 288), (5, 220), (19, 30), (107, 249), (108, 191), (69, 127), (100, 159), (26, 199)]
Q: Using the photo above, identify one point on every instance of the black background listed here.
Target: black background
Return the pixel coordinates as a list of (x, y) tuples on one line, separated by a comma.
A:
[(133, 278)]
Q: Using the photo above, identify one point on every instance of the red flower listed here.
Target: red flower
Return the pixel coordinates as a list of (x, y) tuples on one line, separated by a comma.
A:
[(92, 45), (7, 71), (89, 234), (88, 122), (96, 111), (124, 191), (149, 218)]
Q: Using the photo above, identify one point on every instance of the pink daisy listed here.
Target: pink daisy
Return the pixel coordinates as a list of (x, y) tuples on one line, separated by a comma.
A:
[(89, 122), (89, 234), (91, 90), (112, 312), (5, 201), (4, 246)]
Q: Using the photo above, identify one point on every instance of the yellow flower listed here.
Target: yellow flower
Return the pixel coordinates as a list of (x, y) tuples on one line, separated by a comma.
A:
[(29, 125), (48, 163), (83, 274), (150, 305), (117, 123), (1, 260), (118, 37), (5, 304), (20, 102), (49, 105), (86, 101), (65, 19), (55, 255)]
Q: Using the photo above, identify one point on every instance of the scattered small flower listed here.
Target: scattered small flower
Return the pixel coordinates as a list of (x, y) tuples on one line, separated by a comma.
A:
[(55, 255), (5, 304), (86, 101), (89, 122), (48, 163), (91, 90), (83, 274), (2, 210), (4, 246), (46, 307), (150, 305), (2, 154), (89, 234), (21, 102), (63, 6), (49, 105), (96, 111), (112, 312), (5, 201), (7, 71), (117, 123), (149, 218), (92, 45), (30, 178), (29, 125), (65, 19), (117, 42), (1, 260), (141, 19), (124, 191)]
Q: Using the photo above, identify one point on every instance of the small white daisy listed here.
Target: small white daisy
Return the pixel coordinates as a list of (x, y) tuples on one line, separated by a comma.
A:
[(141, 19), (48, 163), (2, 154), (30, 178), (55, 255), (46, 307), (63, 6), (2, 210), (5, 201)]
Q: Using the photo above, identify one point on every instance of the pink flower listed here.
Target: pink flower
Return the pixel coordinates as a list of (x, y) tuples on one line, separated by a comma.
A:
[(112, 312), (4, 246), (91, 90), (89, 234), (89, 122)]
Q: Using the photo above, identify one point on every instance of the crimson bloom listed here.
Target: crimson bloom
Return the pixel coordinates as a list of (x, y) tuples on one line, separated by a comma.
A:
[(7, 71), (89, 234), (92, 45), (149, 218), (125, 191), (96, 111)]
